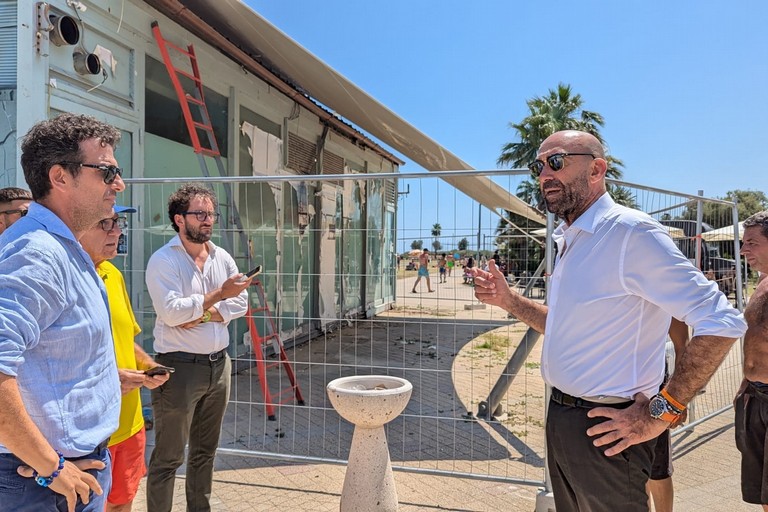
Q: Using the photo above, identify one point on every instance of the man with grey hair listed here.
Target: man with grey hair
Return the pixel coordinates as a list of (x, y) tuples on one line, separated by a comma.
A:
[(751, 403), (14, 203), (617, 282)]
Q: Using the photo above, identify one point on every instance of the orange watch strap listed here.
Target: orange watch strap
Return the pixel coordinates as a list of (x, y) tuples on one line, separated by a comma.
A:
[(669, 417), (671, 400)]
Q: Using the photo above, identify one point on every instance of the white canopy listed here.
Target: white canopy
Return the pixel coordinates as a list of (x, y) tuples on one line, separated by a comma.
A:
[(256, 36), (724, 234)]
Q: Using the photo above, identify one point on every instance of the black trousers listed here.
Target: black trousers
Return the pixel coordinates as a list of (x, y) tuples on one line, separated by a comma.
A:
[(583, 478)]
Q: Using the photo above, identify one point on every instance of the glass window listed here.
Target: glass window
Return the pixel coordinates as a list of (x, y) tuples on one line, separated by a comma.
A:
[(163, 115)]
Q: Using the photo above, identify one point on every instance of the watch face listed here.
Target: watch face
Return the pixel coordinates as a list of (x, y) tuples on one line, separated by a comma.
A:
[(657, 406)]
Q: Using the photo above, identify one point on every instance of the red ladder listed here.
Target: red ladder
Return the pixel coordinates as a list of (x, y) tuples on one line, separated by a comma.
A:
[(197, 100), (185, 99), (259, 349)]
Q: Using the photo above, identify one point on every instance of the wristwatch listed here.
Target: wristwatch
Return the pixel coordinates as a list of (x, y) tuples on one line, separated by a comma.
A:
[(206, 316), (663, 407)]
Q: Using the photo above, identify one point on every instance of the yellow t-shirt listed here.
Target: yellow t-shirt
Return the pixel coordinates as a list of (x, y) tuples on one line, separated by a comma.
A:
[(124, 329)]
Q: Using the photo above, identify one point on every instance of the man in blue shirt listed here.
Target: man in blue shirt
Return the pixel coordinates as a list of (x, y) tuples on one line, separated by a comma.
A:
[(59, 388)]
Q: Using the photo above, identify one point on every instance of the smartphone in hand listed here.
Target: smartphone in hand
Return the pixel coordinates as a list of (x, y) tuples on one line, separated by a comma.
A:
[(159, 370), (251, 273)]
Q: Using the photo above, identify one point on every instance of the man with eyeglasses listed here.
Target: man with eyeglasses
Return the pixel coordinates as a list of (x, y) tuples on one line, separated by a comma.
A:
[(751, 402), (59, 387), (127, 443), (617, 282), (196, 290), (14, 203)]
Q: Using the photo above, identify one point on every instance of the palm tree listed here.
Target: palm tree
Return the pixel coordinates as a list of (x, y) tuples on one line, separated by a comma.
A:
[(436, 230), (559, 110), (623, 195), (528, 191)]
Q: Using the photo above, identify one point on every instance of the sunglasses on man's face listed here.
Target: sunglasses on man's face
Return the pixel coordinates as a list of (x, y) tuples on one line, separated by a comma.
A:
[(556, 161), (110, 224), (110, 172), (19, 211)]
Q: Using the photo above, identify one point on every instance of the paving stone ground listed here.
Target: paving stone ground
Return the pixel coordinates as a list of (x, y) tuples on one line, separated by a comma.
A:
[(443, 349)]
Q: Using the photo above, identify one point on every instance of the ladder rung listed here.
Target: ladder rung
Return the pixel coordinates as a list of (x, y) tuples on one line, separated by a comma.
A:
[(192, 99), (259, 310), (286, 400), (179, 49), (202, 126), (188, 75), (209, 152)]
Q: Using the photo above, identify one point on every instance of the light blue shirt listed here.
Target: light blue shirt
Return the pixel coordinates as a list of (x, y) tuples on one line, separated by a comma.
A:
[(55, 334)]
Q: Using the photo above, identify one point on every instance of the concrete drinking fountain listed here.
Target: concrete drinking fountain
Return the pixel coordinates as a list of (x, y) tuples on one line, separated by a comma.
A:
[(368, 402)]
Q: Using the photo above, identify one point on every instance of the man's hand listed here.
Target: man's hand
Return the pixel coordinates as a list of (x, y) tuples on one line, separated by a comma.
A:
[(233, 286), (191, 323), (629, 426), (73, 482), (215, 317), (130, 379), (491, 287), (155, 381)]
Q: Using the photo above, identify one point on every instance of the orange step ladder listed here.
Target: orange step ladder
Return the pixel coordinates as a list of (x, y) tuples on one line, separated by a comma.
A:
[(260, 343), (200, 124)]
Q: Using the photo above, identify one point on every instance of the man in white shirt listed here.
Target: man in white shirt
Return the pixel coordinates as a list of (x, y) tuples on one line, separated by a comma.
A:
[(196, 291), (618, 280)]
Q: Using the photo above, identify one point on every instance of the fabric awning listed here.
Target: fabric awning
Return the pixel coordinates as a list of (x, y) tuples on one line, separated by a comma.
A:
[(255, 35), (724, 234)]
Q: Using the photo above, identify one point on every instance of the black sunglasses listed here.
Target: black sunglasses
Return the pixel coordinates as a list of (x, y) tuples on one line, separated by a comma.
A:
[(110, 171), (20, 211), (201, 215), (555, 161), (109, 224)]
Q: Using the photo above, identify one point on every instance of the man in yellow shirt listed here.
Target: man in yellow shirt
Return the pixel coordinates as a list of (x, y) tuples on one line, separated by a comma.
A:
[(128, 442)]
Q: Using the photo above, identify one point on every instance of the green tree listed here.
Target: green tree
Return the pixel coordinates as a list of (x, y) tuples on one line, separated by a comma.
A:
[(719, 215), (559, 110), (436, 245), (528, 191), (623, 195), (417, 244), (463, 244)]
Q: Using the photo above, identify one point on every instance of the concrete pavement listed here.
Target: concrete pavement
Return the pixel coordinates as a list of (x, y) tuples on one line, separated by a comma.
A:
[(706, 460)]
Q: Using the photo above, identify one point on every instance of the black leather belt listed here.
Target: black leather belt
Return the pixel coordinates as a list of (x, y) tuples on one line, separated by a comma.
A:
[(567, 400), (99, 447), (189, 357)]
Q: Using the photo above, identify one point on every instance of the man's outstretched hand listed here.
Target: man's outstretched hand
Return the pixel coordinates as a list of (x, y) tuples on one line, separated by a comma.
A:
[(491, 286)]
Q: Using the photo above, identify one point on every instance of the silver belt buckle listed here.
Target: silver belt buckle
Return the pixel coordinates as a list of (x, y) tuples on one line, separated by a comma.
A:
[(213, 356)]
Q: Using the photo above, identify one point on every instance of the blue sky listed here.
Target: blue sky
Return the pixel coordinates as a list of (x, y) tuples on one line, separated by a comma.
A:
[(682, 85)]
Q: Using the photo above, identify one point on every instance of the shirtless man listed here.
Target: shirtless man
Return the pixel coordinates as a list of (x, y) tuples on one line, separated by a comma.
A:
[(423, 271), (751, 402)]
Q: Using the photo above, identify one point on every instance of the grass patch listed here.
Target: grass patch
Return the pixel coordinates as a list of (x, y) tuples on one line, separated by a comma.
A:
[(495, 342), (532, 365)]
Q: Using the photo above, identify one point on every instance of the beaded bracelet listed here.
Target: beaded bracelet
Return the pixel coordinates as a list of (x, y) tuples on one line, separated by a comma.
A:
[(45, 481)]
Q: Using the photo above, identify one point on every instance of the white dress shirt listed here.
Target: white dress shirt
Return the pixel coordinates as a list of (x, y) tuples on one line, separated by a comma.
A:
[(177, 288), (618, 280)]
